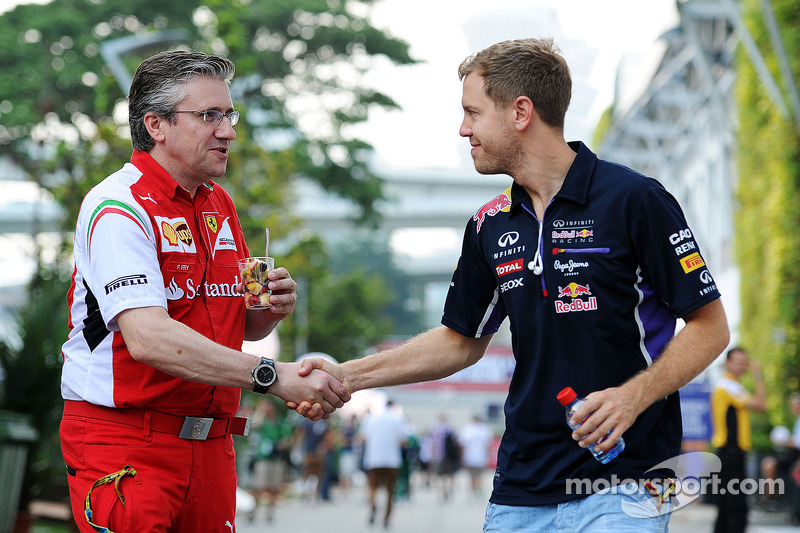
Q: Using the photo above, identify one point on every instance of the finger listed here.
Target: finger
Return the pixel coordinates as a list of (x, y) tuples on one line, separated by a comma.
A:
[(291, 406), (286, 300), (303, 408), (278, 273), (306, 366)]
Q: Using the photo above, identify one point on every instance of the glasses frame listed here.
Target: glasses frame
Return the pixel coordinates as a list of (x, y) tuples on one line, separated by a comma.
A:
[(208, 115)]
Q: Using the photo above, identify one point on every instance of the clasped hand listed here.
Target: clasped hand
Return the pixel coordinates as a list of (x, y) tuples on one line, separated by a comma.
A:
[(612, 409), (316, 366)]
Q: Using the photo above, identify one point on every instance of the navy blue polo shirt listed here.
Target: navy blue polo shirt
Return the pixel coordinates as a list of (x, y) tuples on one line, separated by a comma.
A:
[(619, 265)]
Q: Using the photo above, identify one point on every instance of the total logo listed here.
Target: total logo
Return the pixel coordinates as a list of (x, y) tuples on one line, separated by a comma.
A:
[(509, 268), (574, 291)]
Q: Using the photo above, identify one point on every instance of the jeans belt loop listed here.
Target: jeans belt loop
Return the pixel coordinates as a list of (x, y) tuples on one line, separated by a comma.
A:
[(195, 428)]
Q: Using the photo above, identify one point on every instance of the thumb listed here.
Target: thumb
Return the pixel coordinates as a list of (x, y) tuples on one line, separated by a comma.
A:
[(308, 365)]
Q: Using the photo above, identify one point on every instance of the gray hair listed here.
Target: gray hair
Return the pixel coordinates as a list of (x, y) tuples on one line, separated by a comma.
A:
[(159, 84)]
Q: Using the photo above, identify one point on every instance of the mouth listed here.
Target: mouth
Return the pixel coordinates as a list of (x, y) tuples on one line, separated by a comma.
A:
[(222, 150)]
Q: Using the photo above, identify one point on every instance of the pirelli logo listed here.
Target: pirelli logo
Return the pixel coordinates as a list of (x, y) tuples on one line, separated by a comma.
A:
[(692, 262), (126, 281)]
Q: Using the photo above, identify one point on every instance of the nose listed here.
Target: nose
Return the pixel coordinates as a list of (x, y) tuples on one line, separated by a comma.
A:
[(225, 130), (465, 130)]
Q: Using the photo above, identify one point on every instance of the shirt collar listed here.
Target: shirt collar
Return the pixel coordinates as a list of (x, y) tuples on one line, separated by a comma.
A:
[(576, 183), (156, 174)]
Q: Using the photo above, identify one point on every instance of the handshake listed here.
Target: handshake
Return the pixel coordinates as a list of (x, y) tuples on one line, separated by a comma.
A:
[(314, 388)]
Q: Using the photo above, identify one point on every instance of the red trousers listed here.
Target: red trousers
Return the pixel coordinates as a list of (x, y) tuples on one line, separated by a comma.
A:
[(179, 485)]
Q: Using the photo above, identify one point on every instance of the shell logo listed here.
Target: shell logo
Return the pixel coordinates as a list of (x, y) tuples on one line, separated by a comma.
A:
[(169, 233)]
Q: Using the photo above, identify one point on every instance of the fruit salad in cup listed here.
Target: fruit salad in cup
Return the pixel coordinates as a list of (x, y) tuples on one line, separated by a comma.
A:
[(255, 271)]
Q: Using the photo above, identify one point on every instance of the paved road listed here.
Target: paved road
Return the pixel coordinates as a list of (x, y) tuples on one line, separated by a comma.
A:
[(425, 512)]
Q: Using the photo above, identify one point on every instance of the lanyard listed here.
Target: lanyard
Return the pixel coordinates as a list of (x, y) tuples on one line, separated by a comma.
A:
[(116, 477)]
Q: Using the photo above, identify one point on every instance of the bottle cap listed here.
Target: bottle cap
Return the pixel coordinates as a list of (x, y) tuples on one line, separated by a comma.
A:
[(566, 396)]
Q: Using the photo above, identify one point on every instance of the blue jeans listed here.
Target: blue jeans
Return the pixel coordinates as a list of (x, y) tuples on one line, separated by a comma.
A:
[(600, 512)]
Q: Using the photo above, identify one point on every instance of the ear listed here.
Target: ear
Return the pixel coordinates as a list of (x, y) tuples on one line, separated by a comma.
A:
[(524, 113), (155, 126)]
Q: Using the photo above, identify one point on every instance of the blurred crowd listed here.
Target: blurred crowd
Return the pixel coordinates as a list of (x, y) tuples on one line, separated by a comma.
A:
[(286, 456)]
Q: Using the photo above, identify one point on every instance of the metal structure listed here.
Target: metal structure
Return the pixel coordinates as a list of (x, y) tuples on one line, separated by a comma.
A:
[(681, 129)]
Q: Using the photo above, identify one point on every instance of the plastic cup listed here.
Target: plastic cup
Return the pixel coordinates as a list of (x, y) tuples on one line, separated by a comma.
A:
[(255, 272)]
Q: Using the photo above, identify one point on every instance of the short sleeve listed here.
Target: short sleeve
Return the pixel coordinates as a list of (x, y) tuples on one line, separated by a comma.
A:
[(670, 255)]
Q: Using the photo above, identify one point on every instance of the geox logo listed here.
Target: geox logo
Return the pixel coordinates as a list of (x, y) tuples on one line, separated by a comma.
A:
[(126, 281)]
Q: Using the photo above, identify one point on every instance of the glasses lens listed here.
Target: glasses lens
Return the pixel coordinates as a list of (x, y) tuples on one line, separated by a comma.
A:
[(233, 116), (212, 116)]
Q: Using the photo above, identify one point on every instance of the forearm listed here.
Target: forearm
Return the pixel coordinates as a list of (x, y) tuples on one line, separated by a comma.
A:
[(432, 355), (153, 338), (258, 324), (157, 340)]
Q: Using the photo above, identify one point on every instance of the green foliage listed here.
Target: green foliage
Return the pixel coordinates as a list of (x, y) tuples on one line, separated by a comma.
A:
[(767, 241), (32, 372), (299, 77), (351, 297)]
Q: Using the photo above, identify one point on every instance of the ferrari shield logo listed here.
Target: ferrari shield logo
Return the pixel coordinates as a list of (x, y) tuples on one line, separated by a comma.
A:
[(211, 220)]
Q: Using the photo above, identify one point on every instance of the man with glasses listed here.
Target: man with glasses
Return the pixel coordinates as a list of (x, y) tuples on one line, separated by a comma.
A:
[(153, 365)]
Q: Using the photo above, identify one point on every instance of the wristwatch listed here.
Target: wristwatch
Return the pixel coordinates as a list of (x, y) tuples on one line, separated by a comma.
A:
[(264, 375)]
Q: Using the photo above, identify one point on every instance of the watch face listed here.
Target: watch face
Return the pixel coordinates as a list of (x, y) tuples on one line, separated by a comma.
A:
[(265, 375)]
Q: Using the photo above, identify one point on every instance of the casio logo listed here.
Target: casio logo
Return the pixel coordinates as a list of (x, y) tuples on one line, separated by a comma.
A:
[(508, 238)]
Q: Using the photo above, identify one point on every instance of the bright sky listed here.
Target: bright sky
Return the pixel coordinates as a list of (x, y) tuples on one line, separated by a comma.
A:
[(593, 36)]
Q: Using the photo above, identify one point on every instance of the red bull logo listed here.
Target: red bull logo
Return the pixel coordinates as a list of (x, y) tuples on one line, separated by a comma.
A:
[(576, 305), (500, 203), (573, 290)]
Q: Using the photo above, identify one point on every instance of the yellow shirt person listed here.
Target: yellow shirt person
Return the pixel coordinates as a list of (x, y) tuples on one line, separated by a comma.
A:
[(729, 413)]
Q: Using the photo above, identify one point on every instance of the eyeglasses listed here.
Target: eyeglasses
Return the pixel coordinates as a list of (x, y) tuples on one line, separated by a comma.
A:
[(212, 116)]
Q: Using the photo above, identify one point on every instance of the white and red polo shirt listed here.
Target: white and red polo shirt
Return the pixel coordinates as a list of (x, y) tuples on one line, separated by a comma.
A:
[(140, 241)]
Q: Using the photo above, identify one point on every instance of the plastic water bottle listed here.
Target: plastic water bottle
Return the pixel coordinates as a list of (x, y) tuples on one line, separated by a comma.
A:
[(570, 400)]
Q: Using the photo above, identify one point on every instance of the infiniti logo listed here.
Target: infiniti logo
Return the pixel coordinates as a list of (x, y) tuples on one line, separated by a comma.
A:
[(508, 238), (558, 224), (705, 277)]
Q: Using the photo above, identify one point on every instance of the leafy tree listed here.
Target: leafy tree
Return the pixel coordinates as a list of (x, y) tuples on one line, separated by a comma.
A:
[(31, 368), (767, 243), (299, 83), (299, 86), (353, 296)]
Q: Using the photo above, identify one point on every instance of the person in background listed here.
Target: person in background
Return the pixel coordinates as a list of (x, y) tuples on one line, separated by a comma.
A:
[(444, 459), (785, 464), (592, 263), (275, 435), (153, 367), (313, 436), (383, 435), (731, 404), (349, 455), (476, 440)]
